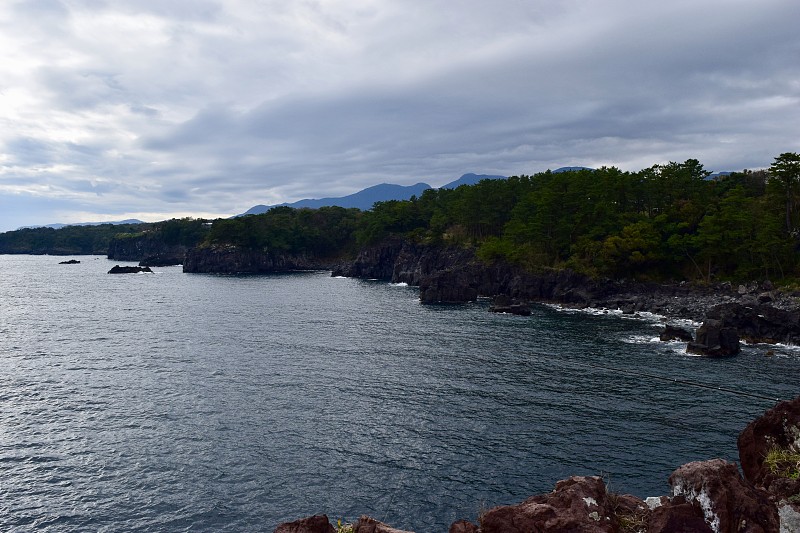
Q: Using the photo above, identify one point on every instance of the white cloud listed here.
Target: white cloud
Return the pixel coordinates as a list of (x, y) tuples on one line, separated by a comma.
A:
[(201, 106)]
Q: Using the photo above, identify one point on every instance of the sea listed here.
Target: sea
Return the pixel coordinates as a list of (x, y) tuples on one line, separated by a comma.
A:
[(190, 402)]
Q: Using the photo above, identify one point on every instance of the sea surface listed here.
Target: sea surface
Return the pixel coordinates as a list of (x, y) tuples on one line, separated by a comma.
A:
[(186, 402)]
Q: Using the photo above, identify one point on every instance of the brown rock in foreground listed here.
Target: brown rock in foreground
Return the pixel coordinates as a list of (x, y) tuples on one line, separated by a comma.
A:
[(578, 504), (777, 428), (368, 524), (312, 524), (729, 504), (677, 515)]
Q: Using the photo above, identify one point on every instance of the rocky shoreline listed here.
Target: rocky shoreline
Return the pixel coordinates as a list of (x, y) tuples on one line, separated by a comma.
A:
[(450, 274), (755, 312), (706, 496)]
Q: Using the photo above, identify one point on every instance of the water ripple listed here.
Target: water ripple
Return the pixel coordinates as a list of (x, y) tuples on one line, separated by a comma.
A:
[(225, 403)]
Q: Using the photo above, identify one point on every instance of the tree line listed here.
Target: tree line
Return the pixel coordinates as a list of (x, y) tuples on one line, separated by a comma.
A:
[(668, 221)]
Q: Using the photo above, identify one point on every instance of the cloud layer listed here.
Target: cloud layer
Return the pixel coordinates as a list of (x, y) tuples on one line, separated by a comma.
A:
[(154, 109)]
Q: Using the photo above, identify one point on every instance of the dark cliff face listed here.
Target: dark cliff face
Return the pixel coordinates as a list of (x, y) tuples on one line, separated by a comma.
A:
[(452, 274), (147, 249), (229, 259), (374, 262)]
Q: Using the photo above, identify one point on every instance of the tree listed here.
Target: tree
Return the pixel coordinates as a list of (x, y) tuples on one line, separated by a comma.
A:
[(786, 169)]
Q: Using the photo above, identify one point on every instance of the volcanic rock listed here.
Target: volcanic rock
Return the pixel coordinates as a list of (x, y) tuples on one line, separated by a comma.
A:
[(128, 269), (311, 524), (678, 515), (672, 333), (729, 504), (505, 304), (368, 524), (463, 526), (759, 323), (777, 429), (714, 339), (578, 504), (448, 286)]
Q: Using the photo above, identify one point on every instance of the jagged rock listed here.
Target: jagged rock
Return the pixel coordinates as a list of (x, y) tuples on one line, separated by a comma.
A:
[(672, 333), (504, 304), (116, 269), (715, 340), (578, 504), (368, 524), (311, 524), (759, 323), (463, 526), (729, 504), (448, 286), (778, 428), (417, 261), (70, 262), (374, 262), (678, 515)]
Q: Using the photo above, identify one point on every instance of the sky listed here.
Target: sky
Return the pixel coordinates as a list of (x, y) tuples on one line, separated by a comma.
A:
[(153, 109)]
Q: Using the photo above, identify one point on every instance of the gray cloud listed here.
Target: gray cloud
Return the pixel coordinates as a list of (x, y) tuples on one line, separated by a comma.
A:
[(207, 107)]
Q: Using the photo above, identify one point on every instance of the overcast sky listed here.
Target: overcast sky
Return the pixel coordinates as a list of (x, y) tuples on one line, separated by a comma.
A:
[(155, 109)]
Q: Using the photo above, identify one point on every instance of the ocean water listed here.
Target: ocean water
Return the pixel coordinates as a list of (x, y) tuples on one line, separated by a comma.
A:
[(184, 402)]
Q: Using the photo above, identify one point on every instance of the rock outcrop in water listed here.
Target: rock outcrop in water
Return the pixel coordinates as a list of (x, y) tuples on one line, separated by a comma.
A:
[(706, 496), (116, 269), (715, 339), (452, 274)]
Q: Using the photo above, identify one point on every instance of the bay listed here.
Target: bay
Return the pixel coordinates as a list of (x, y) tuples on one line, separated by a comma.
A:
[(170, 401)]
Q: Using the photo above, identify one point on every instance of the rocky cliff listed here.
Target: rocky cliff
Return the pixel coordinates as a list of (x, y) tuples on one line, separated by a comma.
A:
[(228, 259), (453, 274), (147, 248)]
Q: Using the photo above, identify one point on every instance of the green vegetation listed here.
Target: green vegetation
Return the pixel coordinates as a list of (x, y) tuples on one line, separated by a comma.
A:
[(323, 232), (664, 222), (783, 462), (669, 221), (69, 240)]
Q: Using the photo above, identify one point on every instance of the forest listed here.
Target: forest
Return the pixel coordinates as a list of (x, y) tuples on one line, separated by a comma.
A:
[(669, 221)]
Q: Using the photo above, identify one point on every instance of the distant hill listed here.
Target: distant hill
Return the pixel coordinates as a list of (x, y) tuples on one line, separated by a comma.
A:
[(59, 226), (366, 198), (363, 199), (471, 179)]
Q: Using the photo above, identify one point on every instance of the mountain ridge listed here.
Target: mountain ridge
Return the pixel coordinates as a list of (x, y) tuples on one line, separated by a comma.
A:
[(366, 198)]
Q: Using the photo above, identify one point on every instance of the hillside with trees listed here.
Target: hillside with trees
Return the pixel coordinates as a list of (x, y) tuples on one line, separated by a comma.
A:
[(666, 222)]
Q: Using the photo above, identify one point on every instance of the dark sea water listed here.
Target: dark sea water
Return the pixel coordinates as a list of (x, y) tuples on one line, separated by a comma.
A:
[(180, 402)]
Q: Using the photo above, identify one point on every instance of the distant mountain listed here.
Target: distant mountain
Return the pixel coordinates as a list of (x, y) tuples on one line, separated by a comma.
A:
[(470, 179), (366, 198), (59, 226), (363, 199), (569, 169)]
